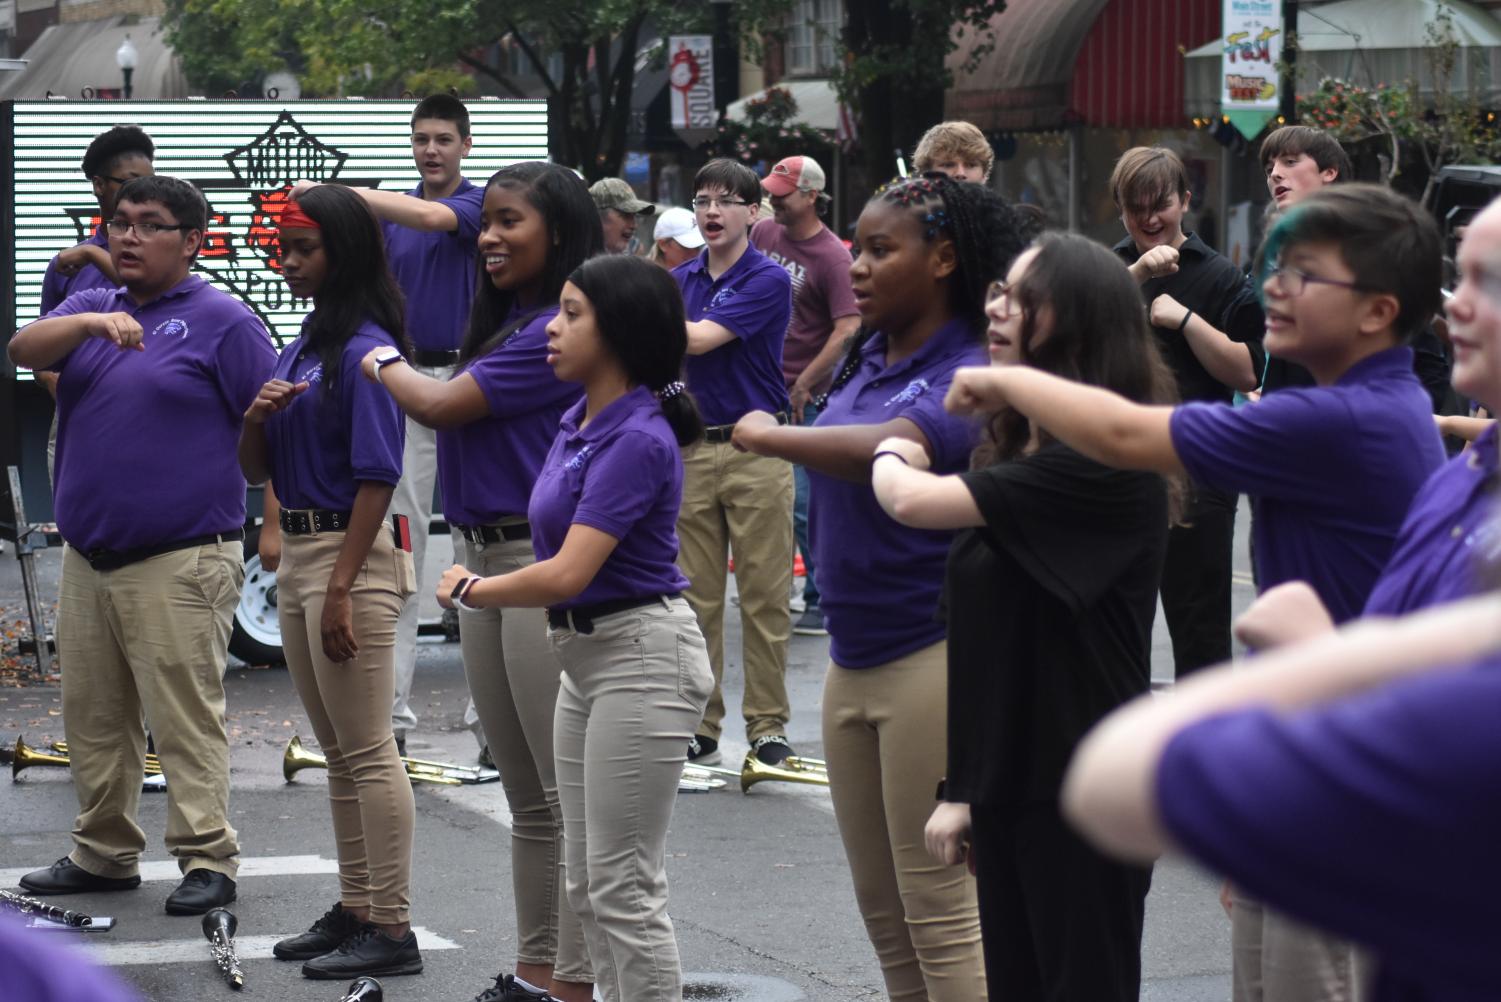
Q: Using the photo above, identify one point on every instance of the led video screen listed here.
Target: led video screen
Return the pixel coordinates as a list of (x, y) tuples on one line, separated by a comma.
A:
[(243, 156)]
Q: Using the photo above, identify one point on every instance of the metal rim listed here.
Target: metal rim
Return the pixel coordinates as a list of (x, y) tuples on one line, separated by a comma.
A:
[(256, 612)]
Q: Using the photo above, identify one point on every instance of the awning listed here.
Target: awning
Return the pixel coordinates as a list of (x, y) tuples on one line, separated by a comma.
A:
[(69, 57), (1368, 42), (1101, 63), (817, 103)]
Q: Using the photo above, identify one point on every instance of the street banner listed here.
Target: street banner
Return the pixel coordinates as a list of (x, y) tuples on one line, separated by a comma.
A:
[(1251, 86), (690, 74)]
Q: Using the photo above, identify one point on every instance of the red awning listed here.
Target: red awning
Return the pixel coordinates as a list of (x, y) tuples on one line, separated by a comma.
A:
[(1104, 63)]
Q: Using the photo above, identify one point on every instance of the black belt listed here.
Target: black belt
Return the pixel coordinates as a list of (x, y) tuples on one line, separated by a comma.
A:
[(306, 521), (434, 359), (717, 433), (507, 533), (582, 617), (112, 560)]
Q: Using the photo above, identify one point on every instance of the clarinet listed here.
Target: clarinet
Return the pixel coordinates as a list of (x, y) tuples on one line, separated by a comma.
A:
[(31, 906), (219, 926), (364, 990)]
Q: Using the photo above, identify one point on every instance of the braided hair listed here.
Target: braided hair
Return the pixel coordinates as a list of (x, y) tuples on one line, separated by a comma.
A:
[(987, 232)]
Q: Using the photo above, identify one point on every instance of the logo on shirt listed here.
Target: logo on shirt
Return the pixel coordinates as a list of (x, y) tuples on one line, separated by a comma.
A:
[(313, 376), (172, 328), (723, 296), (910, 392), (580, 459)]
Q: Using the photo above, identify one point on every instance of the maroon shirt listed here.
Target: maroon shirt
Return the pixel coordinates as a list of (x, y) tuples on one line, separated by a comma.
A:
[(821, 293)]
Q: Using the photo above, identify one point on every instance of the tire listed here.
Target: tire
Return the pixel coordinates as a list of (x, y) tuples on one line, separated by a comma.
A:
[(256, 639)]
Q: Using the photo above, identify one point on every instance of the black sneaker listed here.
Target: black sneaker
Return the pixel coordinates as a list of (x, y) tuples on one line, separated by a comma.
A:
[(368, 951), (486, 760), (509, 988), (772, 749), (704, 751), (401, 745), (323, 936), (810, 623)]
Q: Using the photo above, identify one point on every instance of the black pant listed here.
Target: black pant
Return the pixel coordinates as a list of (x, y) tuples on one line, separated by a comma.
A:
[(1195, 586), (1060, 922)]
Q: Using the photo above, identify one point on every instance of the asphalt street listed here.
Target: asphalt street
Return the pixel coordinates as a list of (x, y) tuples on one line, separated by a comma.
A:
[(760, 894)]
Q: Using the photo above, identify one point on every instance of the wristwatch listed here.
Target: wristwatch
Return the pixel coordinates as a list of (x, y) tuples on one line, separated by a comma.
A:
[(385, 357)]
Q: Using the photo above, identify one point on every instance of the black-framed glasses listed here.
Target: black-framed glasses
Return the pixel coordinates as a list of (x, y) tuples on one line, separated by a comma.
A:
[(1293, 281), (703, 202), (119, 227)]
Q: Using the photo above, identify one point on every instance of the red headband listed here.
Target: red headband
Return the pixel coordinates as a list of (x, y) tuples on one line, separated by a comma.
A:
[(292, 216)]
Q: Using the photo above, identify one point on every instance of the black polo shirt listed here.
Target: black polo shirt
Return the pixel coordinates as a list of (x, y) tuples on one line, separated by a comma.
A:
[(1207, 283)]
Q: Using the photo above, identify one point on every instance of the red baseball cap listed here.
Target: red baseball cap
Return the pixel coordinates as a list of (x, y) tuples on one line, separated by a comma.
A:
[(792, 174)]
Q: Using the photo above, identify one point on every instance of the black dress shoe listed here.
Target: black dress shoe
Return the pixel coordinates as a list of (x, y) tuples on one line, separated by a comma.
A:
[(323, 936), (509, 988), (368, 951), (200, 891), (67, 877)]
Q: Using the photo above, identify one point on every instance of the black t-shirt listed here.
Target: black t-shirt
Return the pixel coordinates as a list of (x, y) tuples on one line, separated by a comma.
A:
[(1050, 610), (1210, 285), (1430, 362)]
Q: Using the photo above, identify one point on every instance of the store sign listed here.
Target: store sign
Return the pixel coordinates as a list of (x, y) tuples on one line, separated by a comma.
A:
[(690, 74), (1250, 83), (244, 157)]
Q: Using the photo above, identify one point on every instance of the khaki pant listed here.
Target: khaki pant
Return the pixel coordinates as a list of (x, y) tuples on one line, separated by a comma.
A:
[(1277, 959), (513, 677), (632, 692), (736, 501), (149, 638), (885, 736), (414, 499), (349, 707)]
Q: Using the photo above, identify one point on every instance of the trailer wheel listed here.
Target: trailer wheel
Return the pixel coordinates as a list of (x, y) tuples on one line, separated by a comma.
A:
[(256, 638)]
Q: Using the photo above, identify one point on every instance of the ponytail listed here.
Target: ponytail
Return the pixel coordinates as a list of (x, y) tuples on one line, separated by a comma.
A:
[(681, 411)]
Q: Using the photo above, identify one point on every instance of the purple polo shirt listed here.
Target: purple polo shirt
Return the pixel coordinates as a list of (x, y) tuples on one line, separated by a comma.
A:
[(436, 271), (1451, 526), (1331, 472), (621, 474), (487, 467), (147, 441), (48, 966), (1375, 817), (880, 581), (753, 300), (323, 443), (56, 286)]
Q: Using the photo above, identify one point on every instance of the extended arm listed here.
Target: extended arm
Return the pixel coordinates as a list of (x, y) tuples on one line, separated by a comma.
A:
[(1100, 424), (400, 208), (841, 451), (1110, 790), (46, 342), (547, 582), (434, 403), (1228, 361), (913, 496)]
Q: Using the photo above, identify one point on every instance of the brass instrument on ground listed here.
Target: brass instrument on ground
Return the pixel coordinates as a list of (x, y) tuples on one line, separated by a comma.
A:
[(219, 926), (24, 757), (796, 769), (296, 758), (53, 917), (364, 990)]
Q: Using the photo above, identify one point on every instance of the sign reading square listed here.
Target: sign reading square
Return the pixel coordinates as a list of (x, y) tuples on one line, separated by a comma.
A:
[(244, 157)]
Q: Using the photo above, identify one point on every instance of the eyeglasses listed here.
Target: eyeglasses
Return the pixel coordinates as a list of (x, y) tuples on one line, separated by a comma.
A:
[(1292, 281), (996, 291), (117, 180), (710, 203), (145, 231)]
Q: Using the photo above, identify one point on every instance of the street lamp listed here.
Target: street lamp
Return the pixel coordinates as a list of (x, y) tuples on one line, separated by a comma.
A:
[(125, 58)]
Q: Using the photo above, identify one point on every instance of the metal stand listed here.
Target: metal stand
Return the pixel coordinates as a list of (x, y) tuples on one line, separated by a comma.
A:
[(29, 539)]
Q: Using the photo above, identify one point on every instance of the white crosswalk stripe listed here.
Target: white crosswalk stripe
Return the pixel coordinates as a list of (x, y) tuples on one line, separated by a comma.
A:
[(250, 866), (180, 951)]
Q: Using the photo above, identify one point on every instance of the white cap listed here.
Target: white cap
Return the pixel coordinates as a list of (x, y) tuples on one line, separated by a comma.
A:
[(679, 225)]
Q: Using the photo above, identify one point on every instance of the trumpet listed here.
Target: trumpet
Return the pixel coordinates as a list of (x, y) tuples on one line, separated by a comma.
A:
[(24, 757), (219, 926), (296, 758), (795, 769)]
